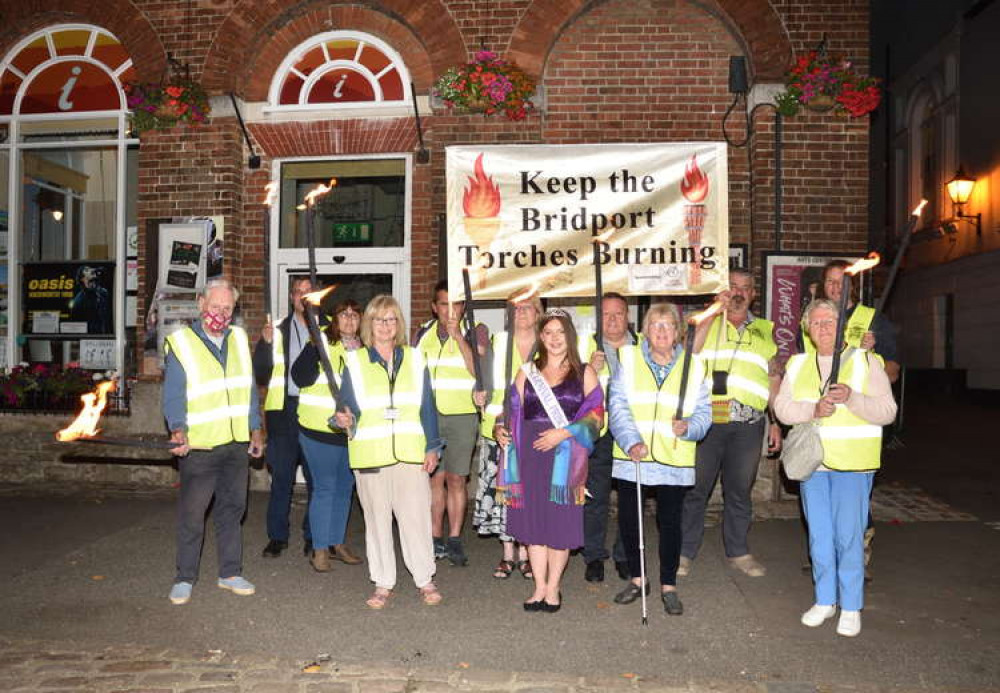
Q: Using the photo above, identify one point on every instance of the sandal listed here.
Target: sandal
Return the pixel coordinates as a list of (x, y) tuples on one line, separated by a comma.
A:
[(430, 594), (504, 569), (525, 568), (379, 598)]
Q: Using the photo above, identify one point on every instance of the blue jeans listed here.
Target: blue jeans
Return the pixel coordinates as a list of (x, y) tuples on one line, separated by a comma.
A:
[(333, 484), (283, 457), (836, 507), (222, 473)]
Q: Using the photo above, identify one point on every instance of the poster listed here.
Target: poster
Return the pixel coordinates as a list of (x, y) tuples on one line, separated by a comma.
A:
[(654, 216), (182, 256), (790, 283), (68, 297)]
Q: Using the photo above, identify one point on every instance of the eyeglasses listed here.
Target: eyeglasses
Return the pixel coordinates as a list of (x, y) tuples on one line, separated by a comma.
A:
[(662, 326), (829, 324), (391, 320)]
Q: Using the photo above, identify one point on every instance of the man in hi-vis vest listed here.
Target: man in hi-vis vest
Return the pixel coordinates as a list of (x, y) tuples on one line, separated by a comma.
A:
[(449, 354), (738, 349), (211, 408)]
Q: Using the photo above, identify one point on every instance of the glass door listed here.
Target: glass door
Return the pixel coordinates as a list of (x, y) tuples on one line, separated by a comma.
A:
[(358, 281)]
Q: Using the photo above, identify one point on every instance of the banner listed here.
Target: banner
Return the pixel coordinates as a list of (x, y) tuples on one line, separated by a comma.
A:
[(655, 216)]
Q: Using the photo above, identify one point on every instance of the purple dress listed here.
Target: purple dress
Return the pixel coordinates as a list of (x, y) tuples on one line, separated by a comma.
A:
[(540, 521)]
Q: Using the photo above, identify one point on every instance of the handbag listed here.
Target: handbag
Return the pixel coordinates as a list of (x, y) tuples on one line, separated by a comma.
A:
[(802, 451)]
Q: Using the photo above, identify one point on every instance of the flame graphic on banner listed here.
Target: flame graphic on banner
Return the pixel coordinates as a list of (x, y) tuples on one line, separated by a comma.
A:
[(694, 185), (482, 196)]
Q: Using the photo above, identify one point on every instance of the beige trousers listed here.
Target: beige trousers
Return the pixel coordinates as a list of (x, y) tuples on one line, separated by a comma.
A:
[(402, 490)]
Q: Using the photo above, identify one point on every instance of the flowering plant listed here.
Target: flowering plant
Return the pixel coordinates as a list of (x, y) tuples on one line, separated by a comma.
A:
[(41, 385), (821, 82), (488, 85), (162, 105)]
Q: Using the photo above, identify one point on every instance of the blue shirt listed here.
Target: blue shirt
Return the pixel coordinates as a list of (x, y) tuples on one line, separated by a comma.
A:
[(626, 434), (175, 384), (428, 409)]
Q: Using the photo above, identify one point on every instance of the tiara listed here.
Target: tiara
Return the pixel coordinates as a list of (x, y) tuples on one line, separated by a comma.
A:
[(556, 313)]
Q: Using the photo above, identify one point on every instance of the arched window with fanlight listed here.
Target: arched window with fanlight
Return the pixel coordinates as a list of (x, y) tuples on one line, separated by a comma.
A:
[(340, 69), (67, 196)]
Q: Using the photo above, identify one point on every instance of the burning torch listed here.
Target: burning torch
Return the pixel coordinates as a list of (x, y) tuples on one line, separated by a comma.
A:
[(599, 287), (312, 301), (310, 204), (271, 191), (693, 323), (904, 244), (845, 289)]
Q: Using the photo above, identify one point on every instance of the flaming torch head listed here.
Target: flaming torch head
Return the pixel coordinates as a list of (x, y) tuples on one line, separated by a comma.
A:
[(313, 195), (863, 265), (704, 315), (918, 210), (85, 425), (315, 298), (271, 191)]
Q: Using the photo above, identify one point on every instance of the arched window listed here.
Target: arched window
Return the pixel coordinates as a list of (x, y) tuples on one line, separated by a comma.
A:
[(340, 69)]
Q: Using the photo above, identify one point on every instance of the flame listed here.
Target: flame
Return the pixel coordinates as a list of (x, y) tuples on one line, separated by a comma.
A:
[(85, 425), (272, 191), (481, 198), (525, 294), (316, 297), (318, 191), (704, 315), (694, 186), (865, 263), (919, 208)]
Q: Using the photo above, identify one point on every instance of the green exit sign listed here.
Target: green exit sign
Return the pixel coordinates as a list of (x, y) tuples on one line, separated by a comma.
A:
[(352, 233)]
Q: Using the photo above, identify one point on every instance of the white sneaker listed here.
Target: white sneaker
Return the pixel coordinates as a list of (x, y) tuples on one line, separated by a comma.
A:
[(817, 614), (849, 624), (684, 567)]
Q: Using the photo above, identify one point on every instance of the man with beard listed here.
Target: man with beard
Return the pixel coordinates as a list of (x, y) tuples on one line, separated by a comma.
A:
[(739, 349)]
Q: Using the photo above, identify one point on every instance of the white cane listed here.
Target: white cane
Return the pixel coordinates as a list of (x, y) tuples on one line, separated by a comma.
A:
[(642, 543)]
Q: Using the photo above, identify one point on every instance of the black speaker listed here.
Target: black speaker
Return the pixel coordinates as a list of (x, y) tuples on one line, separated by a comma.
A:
[(737, 74)]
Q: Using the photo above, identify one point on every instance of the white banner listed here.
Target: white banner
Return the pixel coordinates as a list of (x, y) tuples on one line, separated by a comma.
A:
[(655, 215)]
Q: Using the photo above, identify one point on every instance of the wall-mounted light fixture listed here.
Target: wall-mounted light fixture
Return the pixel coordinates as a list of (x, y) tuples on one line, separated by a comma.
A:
[(57, 214), (959, 190)]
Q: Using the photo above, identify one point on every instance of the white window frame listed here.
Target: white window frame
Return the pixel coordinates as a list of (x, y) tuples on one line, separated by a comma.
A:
[(297, 53)]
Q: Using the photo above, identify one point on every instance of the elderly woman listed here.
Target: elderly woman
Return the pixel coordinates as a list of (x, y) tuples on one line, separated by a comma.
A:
[(850, 414), (325, 449), (555, 412), (642, 401), (387, 407)]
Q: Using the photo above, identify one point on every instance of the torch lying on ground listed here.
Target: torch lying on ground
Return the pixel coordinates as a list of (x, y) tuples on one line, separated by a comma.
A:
[(857, 268)]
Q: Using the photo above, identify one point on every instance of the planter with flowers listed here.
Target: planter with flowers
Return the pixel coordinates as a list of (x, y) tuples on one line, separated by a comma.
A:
[(820, 82), (162, 105), (43, 388), (487, 85)]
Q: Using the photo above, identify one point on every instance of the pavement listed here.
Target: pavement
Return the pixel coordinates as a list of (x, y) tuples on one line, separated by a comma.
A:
[(86, 574)]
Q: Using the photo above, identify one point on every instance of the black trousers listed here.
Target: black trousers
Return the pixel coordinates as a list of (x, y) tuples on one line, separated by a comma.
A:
[(669, 504), (595, 511)]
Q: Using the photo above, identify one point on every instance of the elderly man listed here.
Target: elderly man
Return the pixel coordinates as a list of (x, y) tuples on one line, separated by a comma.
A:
[(210, 405), (738, 349)]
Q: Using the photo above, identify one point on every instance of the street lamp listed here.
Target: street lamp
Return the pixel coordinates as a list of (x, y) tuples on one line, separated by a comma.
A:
[(959, 190)]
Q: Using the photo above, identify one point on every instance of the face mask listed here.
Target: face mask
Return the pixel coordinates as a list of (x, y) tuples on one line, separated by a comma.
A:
[(216, 322)]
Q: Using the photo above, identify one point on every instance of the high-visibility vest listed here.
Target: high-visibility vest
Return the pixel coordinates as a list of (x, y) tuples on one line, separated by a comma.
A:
[(218, 400), (495, 406), (653, 407), (380, 441), (315, 401), (275, 400), (748, 353), (451, 380), (850, 444), (854, 331), (587, 345)]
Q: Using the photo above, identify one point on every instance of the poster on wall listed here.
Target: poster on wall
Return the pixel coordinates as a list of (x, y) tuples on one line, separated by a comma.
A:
[(68, 297), (654, 216), (791, 280), (182, 256)]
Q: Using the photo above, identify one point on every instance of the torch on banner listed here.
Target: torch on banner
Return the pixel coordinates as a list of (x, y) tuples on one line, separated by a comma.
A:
[(638, 218)]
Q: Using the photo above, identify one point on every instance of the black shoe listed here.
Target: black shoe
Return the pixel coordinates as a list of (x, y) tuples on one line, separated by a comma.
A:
[(440, 548), (629, 594), (456, 552), (533, 606), (274, 548), (547, 608), (672, 603), (595, 572), (623, 571)]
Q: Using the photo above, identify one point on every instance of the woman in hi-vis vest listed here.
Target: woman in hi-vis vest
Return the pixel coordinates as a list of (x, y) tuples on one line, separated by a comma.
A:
[(387, 407), (850, 413)]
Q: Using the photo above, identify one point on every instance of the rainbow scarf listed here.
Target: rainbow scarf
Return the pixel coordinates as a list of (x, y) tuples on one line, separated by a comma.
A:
[(569, 469)]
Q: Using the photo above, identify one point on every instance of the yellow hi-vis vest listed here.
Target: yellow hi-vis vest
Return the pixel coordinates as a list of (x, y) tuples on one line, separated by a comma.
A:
[(315, 401), (218, 400), (653, 407), (587, 345), (854, 331), (275, 400), (749, 354), (850, 444), (380, 441), (495, 406), (451, 380)]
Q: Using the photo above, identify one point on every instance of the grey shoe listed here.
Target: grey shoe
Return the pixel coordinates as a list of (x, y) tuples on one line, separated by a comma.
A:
[(456, 552), (440, 548), (180, 593), (672, 603)]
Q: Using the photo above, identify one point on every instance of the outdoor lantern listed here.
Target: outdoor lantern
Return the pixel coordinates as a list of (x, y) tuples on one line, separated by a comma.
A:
[(959, 190)]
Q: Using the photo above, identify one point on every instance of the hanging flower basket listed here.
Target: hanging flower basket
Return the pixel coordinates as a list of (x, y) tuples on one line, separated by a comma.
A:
[(161, 106), (820, 82), (488, 85)]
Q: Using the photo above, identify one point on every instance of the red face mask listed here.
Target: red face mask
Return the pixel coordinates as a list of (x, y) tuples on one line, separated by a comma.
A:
[(216, 322)]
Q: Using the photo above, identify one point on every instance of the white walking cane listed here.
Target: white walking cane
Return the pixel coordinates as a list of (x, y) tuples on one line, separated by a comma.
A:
[(642, 543)]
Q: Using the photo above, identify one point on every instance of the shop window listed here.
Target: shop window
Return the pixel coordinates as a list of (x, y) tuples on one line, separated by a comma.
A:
[(340, 69)]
